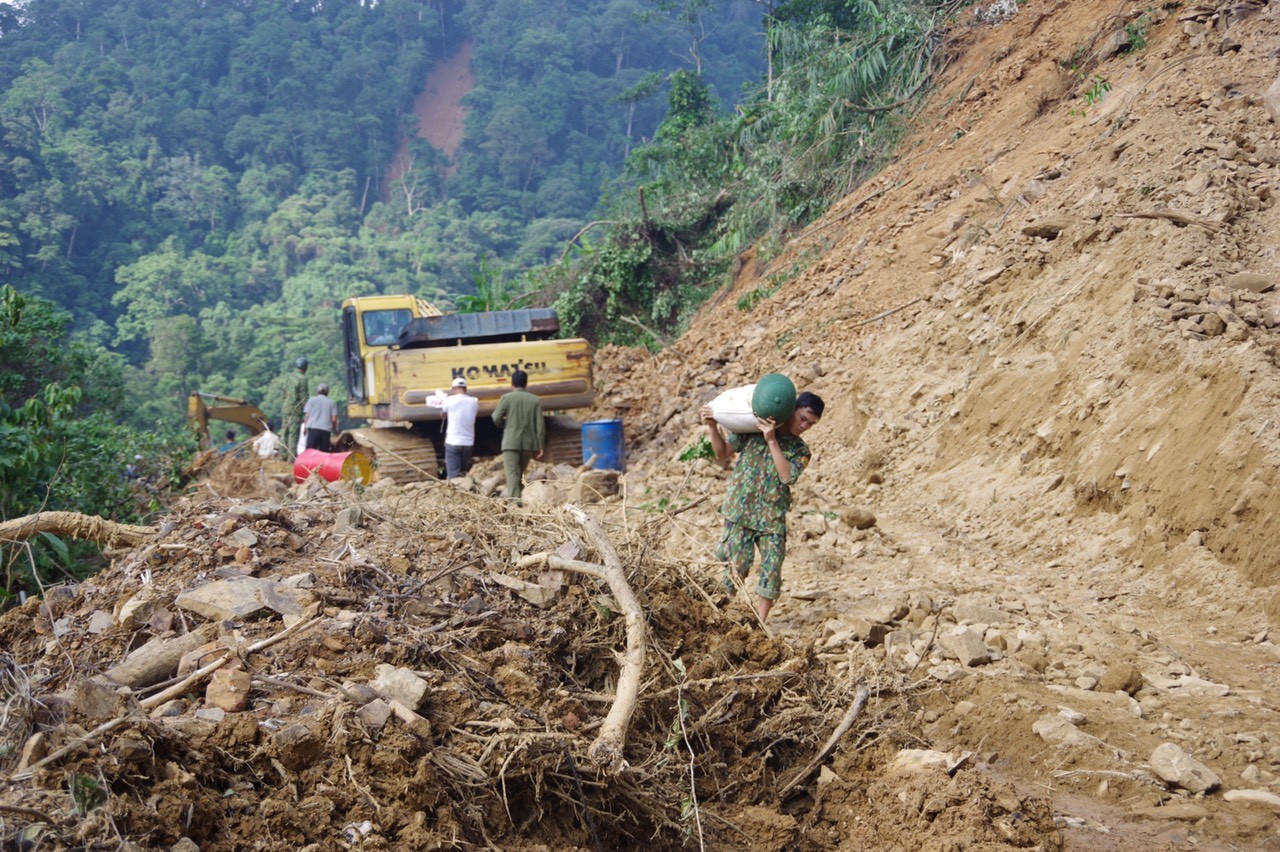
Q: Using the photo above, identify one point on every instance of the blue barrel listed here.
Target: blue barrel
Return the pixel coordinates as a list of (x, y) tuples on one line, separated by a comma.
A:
[(603, 439)]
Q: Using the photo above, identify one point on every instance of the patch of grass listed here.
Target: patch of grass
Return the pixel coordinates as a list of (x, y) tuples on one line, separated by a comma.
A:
[(1136, 32), (700, 449), (1071, 64), (659, 505), (1098, 91), (748, 300), (86, 793)]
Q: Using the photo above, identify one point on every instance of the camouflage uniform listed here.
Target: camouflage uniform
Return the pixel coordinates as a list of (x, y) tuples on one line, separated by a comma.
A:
[(295, 400), (755, 509)]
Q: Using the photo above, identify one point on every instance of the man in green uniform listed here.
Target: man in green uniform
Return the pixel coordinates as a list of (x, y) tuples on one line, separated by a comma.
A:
[(755, 507), (295, 400), (519, 416)]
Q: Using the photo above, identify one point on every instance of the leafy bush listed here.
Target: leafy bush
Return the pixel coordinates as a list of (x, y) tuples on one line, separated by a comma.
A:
[(710, 185), (61, 448)]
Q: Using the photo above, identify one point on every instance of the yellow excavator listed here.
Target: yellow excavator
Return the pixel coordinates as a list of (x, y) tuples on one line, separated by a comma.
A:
[(401, 350)]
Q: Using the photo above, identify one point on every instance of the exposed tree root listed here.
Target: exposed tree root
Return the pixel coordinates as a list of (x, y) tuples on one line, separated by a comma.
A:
[(76, 525)]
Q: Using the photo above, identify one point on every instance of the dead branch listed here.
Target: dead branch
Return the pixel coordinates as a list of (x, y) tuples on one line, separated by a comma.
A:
[(159, 698), (568, 247), (889, 312), (607, 749), (28, 812), (78, 526), (201, 673), (666, 344), (1178, 217), (850, 716), (707, 682)]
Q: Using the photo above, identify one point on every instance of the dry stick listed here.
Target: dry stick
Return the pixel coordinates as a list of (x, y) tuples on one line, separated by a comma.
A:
[(887, 313), (716, 681), (568, 247), (859, 701), (665, 343), (30, 812), (158, 699), (693, 779), (606, 751), (1176, 216), (156, 660), (198, 675)]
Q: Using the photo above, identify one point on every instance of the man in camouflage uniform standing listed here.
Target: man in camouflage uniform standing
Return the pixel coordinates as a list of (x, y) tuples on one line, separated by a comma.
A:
[(295, 399)]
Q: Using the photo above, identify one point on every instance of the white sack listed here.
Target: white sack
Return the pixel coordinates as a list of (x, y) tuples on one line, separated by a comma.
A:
[(732, 409)]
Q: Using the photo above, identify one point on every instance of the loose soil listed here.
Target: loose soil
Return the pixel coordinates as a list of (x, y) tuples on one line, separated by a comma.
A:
[(441, 115), (1035, 530)]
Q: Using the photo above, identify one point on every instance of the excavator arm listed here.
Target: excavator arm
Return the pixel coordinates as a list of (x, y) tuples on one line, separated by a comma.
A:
[(203, 407)]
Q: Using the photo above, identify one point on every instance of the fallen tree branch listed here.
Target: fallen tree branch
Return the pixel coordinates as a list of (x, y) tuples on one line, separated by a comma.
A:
[(77, 526), (851, 715), (28, 812), (887, 313), (606, 751), (201, 673), (707, 682), (568, 247)]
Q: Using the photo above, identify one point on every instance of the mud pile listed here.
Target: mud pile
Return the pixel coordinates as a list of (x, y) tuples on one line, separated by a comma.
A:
[(415, 668)]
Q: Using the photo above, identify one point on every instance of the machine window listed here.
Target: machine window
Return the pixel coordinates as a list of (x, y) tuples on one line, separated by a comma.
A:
[(382, 328)]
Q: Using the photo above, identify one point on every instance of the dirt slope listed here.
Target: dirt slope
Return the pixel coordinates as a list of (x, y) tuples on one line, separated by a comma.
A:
[(1067, 425), (441, 117)]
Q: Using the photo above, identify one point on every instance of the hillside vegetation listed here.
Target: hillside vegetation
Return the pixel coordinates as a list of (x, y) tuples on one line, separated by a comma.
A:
[(200, 185)]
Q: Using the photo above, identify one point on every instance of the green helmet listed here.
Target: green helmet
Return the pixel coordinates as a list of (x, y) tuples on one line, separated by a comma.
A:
[(301, 363)]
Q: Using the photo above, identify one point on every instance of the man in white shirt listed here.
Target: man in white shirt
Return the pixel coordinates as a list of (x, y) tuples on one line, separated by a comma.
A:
[(460, 432), (320, 419)]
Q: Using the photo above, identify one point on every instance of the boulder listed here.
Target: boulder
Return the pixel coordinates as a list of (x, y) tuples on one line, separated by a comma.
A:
[(1271, 100), (1178, 769), (228, 690), (913, 761), (1121, 677), (964, 645)]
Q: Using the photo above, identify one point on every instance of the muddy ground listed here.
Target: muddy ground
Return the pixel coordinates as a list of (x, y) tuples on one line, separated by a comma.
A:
[(1035, 535)]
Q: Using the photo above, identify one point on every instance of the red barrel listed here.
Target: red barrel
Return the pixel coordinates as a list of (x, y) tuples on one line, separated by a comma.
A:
[(351, 467)]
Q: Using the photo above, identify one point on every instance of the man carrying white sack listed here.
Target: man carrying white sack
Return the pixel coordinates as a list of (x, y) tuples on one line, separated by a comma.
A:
[(759, 497)]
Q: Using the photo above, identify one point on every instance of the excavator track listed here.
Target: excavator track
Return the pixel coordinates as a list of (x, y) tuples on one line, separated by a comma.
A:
[(397, 454), (564, 440)]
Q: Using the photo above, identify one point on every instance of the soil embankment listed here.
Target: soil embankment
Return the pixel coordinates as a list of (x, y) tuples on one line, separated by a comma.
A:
[(1064, 420)]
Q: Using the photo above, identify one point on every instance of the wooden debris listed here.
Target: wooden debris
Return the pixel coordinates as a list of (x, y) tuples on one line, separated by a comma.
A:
[(78, 526)]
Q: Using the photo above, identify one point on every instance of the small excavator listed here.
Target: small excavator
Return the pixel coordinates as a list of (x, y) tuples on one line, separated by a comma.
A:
[(203, 407)]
